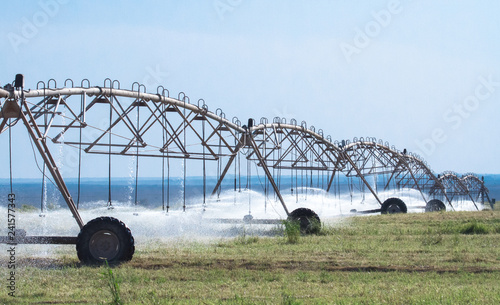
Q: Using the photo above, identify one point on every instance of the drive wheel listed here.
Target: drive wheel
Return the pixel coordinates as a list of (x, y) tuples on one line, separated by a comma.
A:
[(435, 205), (309, 221), (105, 239), (393, 206)]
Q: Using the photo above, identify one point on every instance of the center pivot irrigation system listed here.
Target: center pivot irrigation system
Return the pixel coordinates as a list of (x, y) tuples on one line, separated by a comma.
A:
[(139, 124)]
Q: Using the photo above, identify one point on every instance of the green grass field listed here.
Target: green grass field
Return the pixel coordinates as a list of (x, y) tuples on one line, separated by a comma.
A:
[(431, 258)]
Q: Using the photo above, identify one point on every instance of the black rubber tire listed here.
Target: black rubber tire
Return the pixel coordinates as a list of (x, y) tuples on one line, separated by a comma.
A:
[(435, 205), (393, 206), (308, 219), (105, 239)]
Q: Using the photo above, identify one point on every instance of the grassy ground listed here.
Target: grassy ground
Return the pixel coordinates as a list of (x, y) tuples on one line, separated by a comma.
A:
[(432, 258)]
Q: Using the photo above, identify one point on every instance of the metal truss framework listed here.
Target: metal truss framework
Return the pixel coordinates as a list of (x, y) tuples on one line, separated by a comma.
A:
[(136, 123)]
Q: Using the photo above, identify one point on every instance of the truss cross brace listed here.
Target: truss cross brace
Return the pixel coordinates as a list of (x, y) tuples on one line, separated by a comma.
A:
[(44, 151)]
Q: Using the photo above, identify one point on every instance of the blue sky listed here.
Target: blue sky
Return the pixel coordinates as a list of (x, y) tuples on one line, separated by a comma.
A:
[(422, 75)]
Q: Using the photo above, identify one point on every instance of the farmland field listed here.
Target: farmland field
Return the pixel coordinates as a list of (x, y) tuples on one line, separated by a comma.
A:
[(417, 258)]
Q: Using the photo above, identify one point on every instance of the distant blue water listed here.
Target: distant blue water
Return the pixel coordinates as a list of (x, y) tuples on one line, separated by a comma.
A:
[(123, 190), (149, 191), (94, 191)]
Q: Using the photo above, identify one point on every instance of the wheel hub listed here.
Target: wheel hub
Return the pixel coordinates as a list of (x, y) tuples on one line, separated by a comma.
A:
[(393, 208), (435, 207), (104, 245)]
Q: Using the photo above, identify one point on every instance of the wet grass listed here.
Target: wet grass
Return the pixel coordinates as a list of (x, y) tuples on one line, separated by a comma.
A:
[(434, 258)]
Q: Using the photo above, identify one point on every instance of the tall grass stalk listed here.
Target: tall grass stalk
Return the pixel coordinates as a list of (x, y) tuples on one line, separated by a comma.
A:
[(112, 283), (292, 231)]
